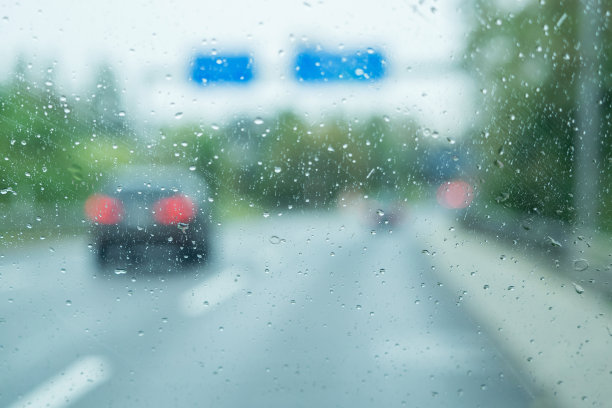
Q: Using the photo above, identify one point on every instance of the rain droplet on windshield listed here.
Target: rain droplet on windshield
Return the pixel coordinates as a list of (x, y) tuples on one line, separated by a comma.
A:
[(554, 242), (581, 265), (579, 289)]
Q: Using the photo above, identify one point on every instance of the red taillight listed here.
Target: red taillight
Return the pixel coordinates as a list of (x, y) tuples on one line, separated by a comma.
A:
[(175, 209), (455, 194), (104, 209)]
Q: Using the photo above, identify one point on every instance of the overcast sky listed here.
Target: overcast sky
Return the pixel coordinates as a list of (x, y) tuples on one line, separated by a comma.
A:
[(149, 45)]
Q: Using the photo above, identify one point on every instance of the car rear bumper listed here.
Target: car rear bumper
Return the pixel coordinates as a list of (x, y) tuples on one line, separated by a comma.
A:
[(151, 235)]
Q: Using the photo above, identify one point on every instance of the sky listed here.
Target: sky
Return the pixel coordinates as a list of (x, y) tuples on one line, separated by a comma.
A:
[(149, 46)]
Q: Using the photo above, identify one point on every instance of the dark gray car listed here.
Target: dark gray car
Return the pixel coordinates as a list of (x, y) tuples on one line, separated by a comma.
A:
[(147, 212)]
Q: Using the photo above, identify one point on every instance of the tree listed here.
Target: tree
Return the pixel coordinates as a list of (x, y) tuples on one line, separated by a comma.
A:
[(529, 65), (108, 112)]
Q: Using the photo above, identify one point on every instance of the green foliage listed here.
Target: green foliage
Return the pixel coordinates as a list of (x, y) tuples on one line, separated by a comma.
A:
[(49, 154), (284, 161), (528, 63), (56, 150)]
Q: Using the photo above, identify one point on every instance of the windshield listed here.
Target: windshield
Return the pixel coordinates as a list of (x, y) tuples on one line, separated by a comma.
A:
[(305, 203)]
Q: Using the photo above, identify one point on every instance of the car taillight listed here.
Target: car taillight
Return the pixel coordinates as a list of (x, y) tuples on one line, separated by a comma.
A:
[(455, 194), (174, 210), (104, 209)]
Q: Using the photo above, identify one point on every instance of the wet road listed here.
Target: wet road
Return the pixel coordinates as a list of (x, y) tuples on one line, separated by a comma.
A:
[(291, 311)]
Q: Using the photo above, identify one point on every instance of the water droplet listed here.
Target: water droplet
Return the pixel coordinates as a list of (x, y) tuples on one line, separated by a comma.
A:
[(178, 115), (358, 307), (258, 121), (277, 169), (121, 114), (581, 265), (192, 168), (579, 289), (266, 215), (554, 242), (68, 302), (380, 212), (275, 240), (120, 271), (140, 333)]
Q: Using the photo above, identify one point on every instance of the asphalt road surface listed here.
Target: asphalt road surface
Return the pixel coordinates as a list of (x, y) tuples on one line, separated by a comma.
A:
[(300, 311)]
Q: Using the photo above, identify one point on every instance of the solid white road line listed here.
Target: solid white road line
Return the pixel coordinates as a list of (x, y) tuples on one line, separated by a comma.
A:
[(69, 385)]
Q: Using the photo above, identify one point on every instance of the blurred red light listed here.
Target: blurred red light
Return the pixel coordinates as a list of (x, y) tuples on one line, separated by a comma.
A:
[(174, 210), (103, 209), (455, 194)]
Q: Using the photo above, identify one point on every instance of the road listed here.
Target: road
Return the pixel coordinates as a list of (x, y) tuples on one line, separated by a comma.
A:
[(292, 310)]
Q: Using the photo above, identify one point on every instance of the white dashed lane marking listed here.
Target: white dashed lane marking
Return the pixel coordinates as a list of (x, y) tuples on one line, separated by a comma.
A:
[(65, 388), (210, 294)]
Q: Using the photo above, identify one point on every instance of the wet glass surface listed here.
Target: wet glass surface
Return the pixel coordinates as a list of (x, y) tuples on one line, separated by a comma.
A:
[(308, 203)]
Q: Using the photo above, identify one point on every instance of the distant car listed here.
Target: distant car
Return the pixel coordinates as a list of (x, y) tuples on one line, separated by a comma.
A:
[(145, 212), (386, 212)]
